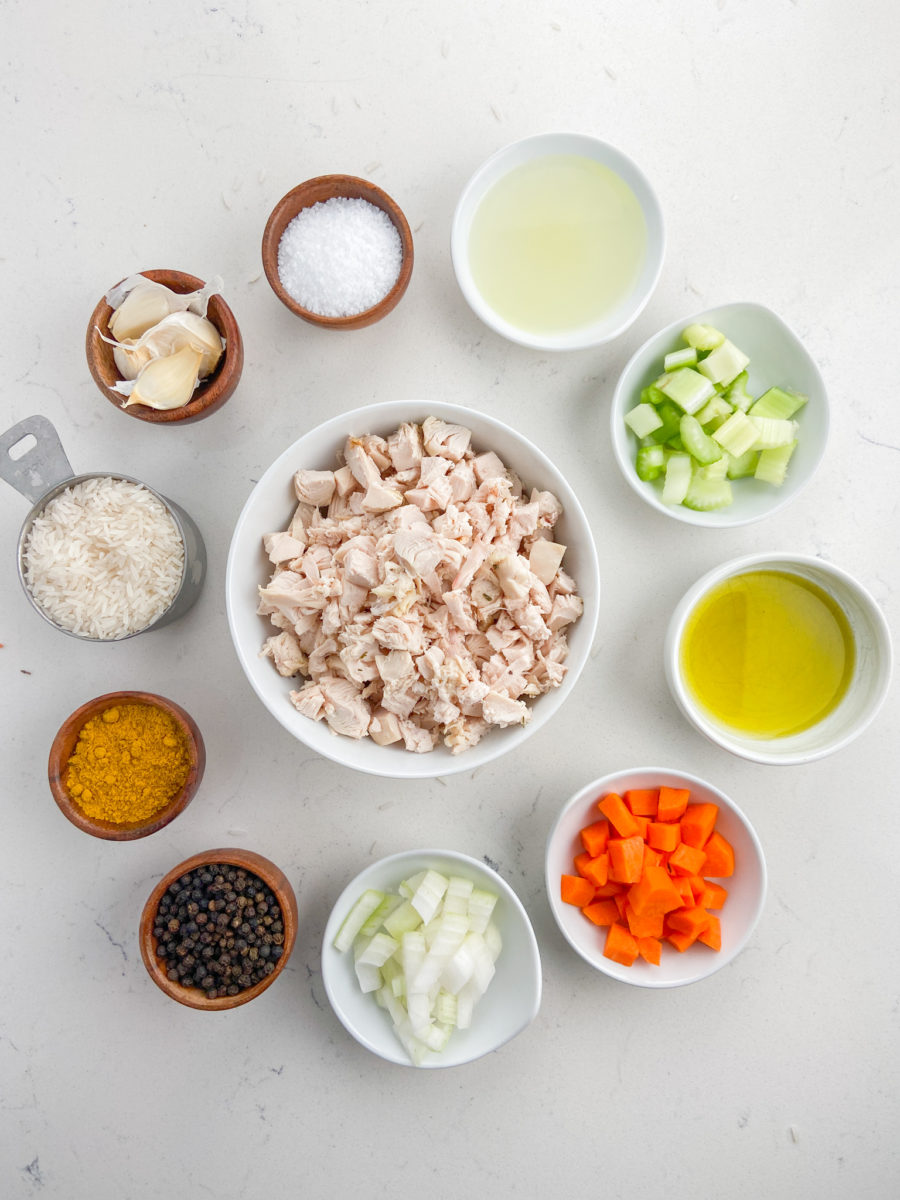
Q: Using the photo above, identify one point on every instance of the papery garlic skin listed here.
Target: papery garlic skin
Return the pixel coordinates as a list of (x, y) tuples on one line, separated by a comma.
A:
[(165, 383)]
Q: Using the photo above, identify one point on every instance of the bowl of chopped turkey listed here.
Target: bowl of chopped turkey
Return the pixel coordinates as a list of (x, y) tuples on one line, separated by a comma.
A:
[(412, 589)]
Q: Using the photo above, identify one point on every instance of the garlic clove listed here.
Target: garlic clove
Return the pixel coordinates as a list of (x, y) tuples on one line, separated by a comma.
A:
[(166, 383), (129, 358), (184, 329), (144, 306)]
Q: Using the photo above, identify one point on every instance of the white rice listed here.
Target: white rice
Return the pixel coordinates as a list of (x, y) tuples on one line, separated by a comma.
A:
[(104, 558)]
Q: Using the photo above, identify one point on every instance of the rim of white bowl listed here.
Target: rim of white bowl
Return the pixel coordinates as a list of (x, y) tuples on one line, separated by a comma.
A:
[(393, 763), (752, 749), (390, 1049), (725, 518), (717, 961), (526, 149)]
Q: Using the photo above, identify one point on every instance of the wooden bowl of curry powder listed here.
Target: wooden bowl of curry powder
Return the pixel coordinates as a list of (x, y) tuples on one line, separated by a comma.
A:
[(125, 764)]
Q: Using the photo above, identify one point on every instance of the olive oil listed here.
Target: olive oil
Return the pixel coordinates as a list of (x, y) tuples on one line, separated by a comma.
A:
[(767, 654), (557, 243)]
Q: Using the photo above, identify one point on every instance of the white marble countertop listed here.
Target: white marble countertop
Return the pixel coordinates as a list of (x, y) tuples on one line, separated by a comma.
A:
[(140, 136)]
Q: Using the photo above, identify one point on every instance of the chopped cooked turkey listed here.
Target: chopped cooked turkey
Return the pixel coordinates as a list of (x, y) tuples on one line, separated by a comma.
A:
[(418, 592)]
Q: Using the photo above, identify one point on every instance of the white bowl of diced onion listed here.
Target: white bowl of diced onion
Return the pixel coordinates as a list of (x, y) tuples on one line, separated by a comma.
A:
[(777, 360), (439, 992), (269, 508)]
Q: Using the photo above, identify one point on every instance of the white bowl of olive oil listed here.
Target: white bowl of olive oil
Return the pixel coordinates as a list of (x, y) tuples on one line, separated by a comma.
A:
[(558, 241), (778, 658)]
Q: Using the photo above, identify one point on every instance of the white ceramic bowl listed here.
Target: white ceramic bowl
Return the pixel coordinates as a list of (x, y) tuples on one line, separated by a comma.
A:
[(269, 508), (541, 146), (507, 1007), (739, 915), (777, 358), (865, 693)]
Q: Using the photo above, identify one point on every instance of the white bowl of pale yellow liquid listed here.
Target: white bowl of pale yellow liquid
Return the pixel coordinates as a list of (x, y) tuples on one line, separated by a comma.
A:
[(558, 241), (778, 658)]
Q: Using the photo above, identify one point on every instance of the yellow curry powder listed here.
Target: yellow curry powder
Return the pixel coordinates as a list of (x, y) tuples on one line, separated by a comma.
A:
[(129, 762)]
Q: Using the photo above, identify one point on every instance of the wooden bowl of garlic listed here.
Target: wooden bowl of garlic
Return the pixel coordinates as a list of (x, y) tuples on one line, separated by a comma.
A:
[(164, 347)]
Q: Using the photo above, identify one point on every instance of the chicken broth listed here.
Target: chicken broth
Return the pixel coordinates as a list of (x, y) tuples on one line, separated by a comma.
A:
[(418, 592)]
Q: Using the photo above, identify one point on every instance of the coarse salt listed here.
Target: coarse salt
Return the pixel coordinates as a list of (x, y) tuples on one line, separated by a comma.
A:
[(339, 257)]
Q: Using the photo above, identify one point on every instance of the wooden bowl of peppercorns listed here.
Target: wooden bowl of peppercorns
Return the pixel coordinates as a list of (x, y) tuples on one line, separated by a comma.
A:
[(218, 929)]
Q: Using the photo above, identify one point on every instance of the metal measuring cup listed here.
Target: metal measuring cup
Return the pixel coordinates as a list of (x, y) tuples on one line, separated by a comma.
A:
[(43, 471)]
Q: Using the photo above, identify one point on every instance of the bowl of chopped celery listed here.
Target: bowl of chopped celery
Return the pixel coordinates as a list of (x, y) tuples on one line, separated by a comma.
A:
[(429, 959), (655, 877), (721, 418)]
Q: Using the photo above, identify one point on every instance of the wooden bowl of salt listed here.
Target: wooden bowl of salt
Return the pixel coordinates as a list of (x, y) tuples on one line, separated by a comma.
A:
[(338, 252)]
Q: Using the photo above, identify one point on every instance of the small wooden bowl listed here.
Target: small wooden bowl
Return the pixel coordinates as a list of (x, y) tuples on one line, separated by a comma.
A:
[(64, 744), (271, 876), (212, 392), (326, 187)]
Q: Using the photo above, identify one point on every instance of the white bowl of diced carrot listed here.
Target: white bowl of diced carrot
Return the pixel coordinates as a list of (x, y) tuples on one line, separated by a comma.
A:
[(655, 877)]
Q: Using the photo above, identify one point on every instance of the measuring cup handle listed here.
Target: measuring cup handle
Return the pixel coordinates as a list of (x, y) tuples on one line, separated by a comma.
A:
[(42, 466)]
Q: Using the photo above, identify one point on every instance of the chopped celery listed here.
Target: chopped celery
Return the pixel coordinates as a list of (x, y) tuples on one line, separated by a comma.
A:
[(698, 444), (650, 462), (705, 495), (652, 395), (642, 420), (681, 358), (736, 393), (742, 465), (773, 432), (778, 402), (713, 470), (703, 337), (670, 415), (716, 409), (738, 434), (678, 478), (724, 364), (687, 388), (773, 464), (675, 443)]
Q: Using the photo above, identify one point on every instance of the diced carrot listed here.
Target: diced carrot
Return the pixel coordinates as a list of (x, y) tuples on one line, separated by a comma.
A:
[(686, 860), (650, 949), (643, 802), (643, 824), (697, 885), (712, 934), (626, 859), (594, 837), (697, 823), (602, 912), (715, 895), (684, 890), (580, 861), (575, 890), (620, 945), (672, 803), (654, 892), (688, 920), (664, 835), (644, 924), (620, 899), (614, 807), (652, 856), (596, 871), (719, 857), (681, 941), (610, 888)]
